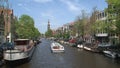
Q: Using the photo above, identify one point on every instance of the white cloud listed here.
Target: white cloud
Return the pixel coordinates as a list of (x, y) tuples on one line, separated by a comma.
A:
[(20, 4), (43, 1), (72, 5), (48, 15), (24, 6)]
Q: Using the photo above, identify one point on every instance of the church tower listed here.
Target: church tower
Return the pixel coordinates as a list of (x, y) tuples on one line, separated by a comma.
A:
[(48, 25)]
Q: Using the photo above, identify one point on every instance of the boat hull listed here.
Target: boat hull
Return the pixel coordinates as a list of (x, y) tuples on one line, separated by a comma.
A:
[(56, 47), (11, 56), (80, 46), (111, 54), (57, 50), (16, 62)]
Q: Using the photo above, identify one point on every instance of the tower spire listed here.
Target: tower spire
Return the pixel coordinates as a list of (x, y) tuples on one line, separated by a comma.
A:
[(48, 24)]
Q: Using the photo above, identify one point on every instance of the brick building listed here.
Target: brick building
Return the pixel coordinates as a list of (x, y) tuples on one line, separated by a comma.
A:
[(5, 23)]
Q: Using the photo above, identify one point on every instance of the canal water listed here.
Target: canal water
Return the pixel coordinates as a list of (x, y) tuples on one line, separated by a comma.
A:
[(72, 58)]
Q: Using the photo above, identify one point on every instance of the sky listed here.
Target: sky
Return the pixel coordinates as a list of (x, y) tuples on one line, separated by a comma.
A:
[(58, 12)]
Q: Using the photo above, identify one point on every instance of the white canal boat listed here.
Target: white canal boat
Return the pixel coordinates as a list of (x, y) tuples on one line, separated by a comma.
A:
[(23, 49), (56, 47), (115, 54), (80, 46)]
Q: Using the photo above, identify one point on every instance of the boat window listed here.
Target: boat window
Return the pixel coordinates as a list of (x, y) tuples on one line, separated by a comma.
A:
[(21, 42)]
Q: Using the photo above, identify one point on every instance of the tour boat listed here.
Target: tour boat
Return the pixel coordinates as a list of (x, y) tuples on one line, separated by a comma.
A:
[(56, 47), (23, 49)]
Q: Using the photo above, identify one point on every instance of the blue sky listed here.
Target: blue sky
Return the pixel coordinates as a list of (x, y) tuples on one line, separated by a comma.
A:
[(59, 12)]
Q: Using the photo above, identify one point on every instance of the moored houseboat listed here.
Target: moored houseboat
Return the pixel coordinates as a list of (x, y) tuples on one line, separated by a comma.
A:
[(23, 49)]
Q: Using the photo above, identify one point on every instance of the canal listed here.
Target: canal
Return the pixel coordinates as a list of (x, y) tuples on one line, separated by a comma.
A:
[(72, 58)]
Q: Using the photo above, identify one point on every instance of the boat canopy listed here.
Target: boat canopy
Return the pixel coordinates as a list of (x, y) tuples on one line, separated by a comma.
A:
[(21, 41)]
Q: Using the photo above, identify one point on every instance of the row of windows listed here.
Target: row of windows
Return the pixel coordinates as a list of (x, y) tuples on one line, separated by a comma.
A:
[(101, 31), (1, 25), (101, 15), (1, 33)]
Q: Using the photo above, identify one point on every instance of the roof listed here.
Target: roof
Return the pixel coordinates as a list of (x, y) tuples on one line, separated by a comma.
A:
[(20, 39)]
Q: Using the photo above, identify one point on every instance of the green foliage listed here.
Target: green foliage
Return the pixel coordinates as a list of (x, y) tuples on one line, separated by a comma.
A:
[(118, 26), (115, 2), (66, 35), (26, 20), (114, 15), (25, 28), (49, 33), (100, 26), (79, 27), (114, 9), (80, 23), (59, 35)]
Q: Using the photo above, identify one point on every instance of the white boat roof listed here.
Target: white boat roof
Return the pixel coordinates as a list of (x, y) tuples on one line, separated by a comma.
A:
[(21, 39), (56, 44)]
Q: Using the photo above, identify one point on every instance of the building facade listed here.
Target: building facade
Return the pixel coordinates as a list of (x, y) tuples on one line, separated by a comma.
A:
[(102, 29), (5, 24), (2, 26)]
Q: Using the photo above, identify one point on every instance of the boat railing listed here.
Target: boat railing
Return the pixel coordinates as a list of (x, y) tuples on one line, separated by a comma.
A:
[(13, 51)]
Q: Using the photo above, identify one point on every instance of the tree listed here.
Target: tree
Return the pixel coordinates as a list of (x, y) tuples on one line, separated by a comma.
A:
[(77, 26), (49, 33), (66, 35), (25, 27), (114, 14), (100, 26), (93, 20), (80, 23)]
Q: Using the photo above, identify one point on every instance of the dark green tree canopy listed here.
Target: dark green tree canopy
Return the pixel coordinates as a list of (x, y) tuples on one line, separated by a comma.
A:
[(25, 19), (49, 33), (25, 27), (114, 10)]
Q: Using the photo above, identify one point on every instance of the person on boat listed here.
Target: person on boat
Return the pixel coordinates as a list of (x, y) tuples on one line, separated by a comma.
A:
[(9, 45)]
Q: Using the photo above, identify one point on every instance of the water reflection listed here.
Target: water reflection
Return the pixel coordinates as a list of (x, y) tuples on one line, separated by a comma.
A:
[(80, 49)]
